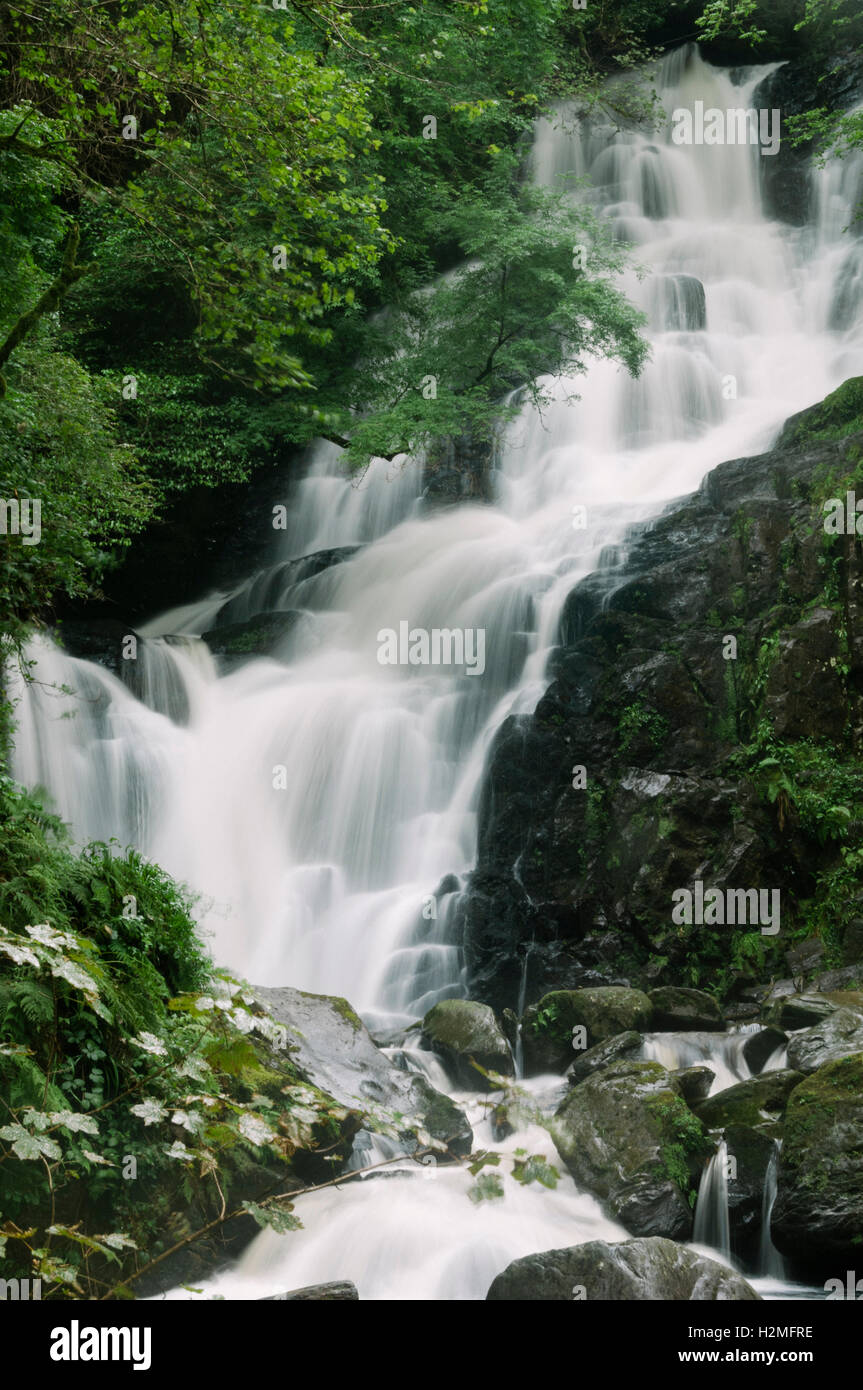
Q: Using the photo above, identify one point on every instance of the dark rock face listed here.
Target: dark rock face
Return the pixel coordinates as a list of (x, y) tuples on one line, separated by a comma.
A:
[(647, 1270), (274, 589), (794, 88), (642, 698), (819, 1202), (613, 1132)]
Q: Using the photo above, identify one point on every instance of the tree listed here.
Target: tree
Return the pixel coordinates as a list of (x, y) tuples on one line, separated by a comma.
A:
[(534, 298)]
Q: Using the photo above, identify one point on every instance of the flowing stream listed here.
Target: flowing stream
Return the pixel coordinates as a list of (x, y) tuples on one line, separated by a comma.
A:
[(321, 875)]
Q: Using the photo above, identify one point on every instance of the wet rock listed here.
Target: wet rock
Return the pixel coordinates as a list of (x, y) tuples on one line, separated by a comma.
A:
[(267, 634), (96, 639), (836, 1036), (679, 1010), (273, 589), (619, 1133), (749, 1153), (805, 957), (547, 1027), (461, 1032), (818, 1214), (602, 1055), (651, 1269), (694, 1083), (760, 1047), (332, 1048), (799, 1011), (335, 1292), (759, 1102)]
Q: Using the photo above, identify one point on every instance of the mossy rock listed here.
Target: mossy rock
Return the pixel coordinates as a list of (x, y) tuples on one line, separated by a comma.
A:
[(677, 1009), (462, 1032), (840, 414), (818, 1213), (758, 1102), (626, 1135), (604, 1011)]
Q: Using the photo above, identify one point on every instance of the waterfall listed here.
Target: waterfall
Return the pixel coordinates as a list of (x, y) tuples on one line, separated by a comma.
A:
[(771, 1263), (325, 806), (712, 1225)]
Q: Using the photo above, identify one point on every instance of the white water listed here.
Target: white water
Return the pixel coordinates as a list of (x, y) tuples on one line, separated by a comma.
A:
[(322, 884), (712, 1224)]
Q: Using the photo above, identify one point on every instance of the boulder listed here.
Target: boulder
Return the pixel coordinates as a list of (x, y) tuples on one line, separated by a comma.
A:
[(818, 1213), (681, 1010), (331, 1047), (645, 1270), (627, 1136), (760, 1047), (759, 1102), (836, 1036), (602, 1055), (462, 1032), (547, 1027), (799, 1011), (694, 1083)]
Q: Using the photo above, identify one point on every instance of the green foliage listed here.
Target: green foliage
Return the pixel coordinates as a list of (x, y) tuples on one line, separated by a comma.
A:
[(639, 724)]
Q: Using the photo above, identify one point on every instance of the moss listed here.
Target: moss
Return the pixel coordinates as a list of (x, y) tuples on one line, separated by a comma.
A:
[(836, 417)]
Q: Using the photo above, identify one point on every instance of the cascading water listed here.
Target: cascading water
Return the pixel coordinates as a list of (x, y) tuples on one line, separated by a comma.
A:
[(712, 1223), (325, 806)]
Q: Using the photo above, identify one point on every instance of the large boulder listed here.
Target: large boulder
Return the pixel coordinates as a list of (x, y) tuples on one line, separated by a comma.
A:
[(836, 1036), (547, 1027), (463, 1032), (646, 1270), (818, 1214), (681, 1010), (759, 1102), (626, 1135), (331, 1048), (602, 1055), (799, 1011)]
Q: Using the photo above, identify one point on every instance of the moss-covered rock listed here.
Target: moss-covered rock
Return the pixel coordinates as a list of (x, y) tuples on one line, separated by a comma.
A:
[(838, 415), (462, 1032), (759, 1102), (818, 1212), (602, 1055), (627, 1136), (547, 1027), (684, 1010)]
